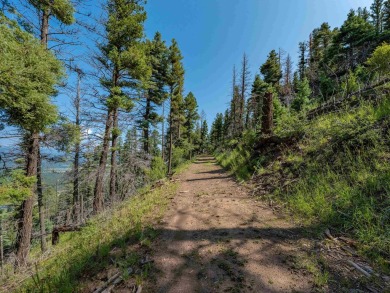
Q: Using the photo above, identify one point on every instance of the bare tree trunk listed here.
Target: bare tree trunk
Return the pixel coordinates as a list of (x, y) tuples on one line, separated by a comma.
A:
[(170, 149), (76, 162), (244, 88), (233, 106), (267, 118), (114, 151), (170, 135), (23, 238), (98, 191), (146, 127), (44, 41), (163, 133), (1, 245), (41, 211), (45, 27)]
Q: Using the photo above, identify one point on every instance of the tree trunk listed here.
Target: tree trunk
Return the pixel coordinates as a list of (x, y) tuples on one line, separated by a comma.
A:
[(45, 27), (146, 127), (162, 133), (44, 42), (170, 135), (23, 238), (41, 211), (1, 246), (114, 151), (76, 162), (267, 118), (170, 149), (98, 199)]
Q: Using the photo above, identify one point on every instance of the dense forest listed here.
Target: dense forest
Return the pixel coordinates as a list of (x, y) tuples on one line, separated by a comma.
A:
[(310, 137)]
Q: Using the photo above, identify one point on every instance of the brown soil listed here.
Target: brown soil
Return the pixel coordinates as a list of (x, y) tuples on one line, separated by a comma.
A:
[(217, 238)]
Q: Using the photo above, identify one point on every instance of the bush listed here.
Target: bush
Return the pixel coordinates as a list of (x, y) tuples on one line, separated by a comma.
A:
[(158, 169), (178, 157)]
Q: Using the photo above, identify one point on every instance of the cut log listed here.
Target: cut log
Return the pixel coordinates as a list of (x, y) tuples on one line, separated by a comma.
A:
[(55, 234)]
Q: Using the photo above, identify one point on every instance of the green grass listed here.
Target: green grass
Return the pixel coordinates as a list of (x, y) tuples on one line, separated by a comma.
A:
[(338, 174), (87, 251), (237, 161), (343, 177)]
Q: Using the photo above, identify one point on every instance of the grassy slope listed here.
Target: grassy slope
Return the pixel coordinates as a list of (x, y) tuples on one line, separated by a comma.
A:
[(337, 174), (87, 251)]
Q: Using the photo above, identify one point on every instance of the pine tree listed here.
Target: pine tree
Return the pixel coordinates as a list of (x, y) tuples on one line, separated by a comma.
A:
[(377, 15), (204, 131), (123, 58), (271, 69), (234, 104), (191, 116), (216, 132), (175, 82), (259, 89), (244, 86), (226, 126), (386, 15), (295, 81), (363, 13), (302, 60), (351, 43), (302, 98), (28, 79), (77, 201), (156, 93), (272, 74), (287, 76), (63, 11)]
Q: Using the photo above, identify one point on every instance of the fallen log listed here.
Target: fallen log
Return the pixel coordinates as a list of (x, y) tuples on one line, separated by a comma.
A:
[(336, 104), (357, 267), (115, 279), (55, 234)]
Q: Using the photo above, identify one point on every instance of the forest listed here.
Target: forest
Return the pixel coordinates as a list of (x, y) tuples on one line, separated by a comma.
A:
[(311, 141)]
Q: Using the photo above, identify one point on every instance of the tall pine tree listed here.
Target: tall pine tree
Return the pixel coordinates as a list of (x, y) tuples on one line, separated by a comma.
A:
[(175, 82), (29, 76), (124, 63)]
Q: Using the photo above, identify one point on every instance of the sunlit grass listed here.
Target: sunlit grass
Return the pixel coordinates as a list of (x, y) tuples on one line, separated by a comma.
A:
[(87, 251), (342, 174)]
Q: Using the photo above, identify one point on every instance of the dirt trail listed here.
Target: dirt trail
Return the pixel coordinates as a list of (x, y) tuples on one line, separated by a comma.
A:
[(216, 238)]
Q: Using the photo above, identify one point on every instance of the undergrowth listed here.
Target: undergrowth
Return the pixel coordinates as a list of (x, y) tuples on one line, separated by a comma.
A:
[(87, 251), (337, 174)]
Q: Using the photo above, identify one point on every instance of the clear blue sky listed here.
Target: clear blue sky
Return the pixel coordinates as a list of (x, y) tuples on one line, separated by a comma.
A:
[(214, 34)]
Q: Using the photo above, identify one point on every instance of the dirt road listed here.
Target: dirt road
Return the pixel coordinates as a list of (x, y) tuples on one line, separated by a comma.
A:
[(216, 238)]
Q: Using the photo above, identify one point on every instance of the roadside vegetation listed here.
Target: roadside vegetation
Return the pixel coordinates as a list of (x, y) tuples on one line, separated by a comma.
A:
[(317, 144), (86, 252)]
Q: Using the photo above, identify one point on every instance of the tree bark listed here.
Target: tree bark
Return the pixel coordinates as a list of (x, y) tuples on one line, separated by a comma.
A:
[(45, 27), (98, 191), (1, 246), (114, 151), (76, 162), (41, 211), (267, 118), (170, 150), (146, 127), (170, 136), (39, 189), (163, 133), (23, 237)]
